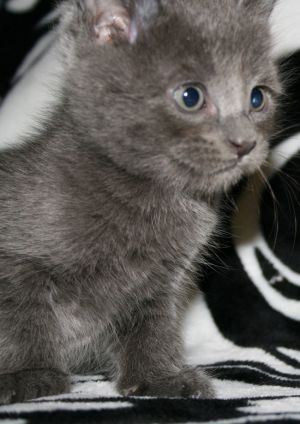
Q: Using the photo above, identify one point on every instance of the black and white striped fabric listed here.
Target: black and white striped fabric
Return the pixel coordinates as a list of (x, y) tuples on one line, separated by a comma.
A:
[(244, 326)]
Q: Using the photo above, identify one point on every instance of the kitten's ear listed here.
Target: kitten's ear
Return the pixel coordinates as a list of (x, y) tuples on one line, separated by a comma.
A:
[(111, 21), (259, 7), (108, 21)]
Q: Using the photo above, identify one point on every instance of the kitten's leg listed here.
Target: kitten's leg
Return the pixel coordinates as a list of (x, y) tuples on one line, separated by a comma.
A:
[(31, 384), (151, 362), (30, 344)]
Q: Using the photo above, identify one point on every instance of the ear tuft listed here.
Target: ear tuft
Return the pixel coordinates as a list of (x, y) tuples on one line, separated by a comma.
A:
[(108, 21), (111, 22)]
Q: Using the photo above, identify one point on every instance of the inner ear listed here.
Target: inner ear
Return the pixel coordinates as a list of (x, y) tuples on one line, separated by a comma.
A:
[(110, 22)]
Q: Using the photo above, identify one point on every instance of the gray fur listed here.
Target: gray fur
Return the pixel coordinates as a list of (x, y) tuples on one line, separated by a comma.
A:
[(258, 7), (104, 213)]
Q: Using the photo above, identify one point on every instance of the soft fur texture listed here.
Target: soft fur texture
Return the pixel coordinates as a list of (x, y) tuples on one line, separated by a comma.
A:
[(104, 213)]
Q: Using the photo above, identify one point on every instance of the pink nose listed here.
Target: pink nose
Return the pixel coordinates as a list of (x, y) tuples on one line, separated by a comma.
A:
[(243, 148)]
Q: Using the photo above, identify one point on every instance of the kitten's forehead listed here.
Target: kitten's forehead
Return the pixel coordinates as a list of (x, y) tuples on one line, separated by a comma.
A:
[(221, 35), (221, 19), (225, 22), (227, 9)]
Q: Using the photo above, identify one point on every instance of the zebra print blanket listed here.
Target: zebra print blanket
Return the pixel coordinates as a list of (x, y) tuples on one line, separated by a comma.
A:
[(244, 325)]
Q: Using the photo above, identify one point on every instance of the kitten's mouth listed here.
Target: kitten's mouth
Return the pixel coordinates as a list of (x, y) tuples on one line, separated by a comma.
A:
[(243, 165), (232, 168), (231, 165)]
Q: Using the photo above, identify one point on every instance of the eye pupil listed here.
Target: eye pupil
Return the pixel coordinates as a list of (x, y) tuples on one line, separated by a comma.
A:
[(191, 97), (257, 98)]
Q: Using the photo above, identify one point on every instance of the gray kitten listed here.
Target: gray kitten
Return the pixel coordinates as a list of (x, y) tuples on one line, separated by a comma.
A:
[(165, 106)]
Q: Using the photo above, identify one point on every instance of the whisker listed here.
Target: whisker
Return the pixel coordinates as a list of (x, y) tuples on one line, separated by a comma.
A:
[(291, 186), (287, 178), (275, 205), (284, 130)]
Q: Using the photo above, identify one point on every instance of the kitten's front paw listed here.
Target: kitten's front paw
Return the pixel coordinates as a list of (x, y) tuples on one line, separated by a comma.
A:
[(31, 384), (190, 382)]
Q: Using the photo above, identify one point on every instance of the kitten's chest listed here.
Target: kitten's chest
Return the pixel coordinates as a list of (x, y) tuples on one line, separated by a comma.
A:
[(155, 256), (79, 332), (178, 232)]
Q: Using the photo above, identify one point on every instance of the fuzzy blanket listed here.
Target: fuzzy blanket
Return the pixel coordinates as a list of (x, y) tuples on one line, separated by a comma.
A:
[(244, 326)]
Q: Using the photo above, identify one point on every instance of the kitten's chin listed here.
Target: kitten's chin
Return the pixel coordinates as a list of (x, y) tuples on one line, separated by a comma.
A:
[(248, 165), (211, 178), (225, 178)]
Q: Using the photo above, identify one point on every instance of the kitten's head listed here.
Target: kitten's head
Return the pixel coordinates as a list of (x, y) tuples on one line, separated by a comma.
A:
[(181, 91)]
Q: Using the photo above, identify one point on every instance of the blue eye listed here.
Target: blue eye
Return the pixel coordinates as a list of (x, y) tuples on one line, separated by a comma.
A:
[(257, 99), (189, 97)]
